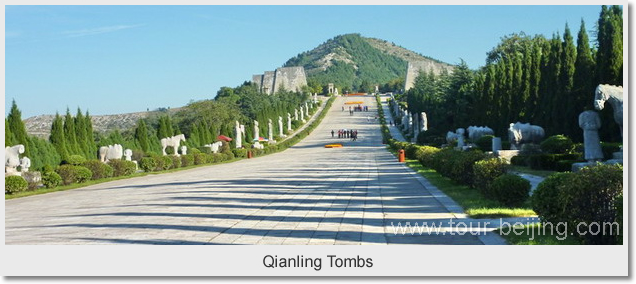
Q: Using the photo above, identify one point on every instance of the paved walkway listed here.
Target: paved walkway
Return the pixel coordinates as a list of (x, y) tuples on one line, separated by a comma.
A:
[(307, 194)]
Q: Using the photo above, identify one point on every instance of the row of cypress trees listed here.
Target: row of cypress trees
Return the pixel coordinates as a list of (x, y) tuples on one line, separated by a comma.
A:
[(547, 82)]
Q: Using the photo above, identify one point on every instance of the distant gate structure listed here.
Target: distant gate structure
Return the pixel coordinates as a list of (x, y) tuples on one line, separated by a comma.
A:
[(288, 78)]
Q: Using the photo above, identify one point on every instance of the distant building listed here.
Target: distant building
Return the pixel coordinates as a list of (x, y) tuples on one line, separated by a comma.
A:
[(414, 68), (288, 78)]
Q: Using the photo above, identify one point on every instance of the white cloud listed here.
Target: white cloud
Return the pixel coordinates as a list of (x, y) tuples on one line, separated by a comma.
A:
[(96, 31)]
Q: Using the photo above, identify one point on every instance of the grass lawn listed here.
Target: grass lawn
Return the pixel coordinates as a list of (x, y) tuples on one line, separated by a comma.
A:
[(474, 204), (535, 234)]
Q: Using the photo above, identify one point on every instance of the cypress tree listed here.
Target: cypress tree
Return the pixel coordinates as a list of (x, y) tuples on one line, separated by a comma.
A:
[(80, 134), (17, 128), (69, 134), (9, 139), (58, 138), (91, 146), (569, 116), (583, 79), (141, 135)]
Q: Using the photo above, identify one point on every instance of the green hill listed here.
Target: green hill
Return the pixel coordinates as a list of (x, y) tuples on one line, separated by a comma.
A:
[(353, 62)]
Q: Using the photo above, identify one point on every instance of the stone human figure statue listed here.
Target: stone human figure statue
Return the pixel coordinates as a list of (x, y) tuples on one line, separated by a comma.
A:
[(256, 135), (128, 154), (184, 150), (270, 131), (302, 114), (289, 125), (424, 121), (590, 122), (416, 127), (295, 114), (25, 164), (237, 135), (460, 139), (280, 126)]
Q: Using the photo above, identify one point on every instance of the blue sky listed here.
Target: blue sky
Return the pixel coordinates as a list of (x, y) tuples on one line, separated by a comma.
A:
[(117, 59)]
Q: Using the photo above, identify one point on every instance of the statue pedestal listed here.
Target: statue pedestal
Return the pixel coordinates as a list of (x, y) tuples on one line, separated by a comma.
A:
[(578, 166)]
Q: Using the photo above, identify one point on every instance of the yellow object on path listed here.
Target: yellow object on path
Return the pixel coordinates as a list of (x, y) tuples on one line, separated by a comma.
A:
[(333, 146)]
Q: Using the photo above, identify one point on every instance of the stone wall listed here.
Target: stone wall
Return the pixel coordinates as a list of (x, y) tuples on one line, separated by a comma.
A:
[(414, 67), (289, 78)]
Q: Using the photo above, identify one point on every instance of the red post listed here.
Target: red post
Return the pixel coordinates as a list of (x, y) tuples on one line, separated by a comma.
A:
[(401, 156), (249, 154)]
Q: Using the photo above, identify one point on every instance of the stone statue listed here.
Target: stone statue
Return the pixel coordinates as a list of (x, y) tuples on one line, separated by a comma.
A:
[(214, 147), (173, 142), (335, 91), (289, 124), (184, 150), (295, 114), (520, 133), (590, 122), (476, 132), (416, 127), (280, 126), (424, 122), (237, 135), (256, 130), (270, 131), (257, 145), (613, 95), (12, 158), (25, 164), (128, 154), (302, 114), (460, 138), (110, 152)]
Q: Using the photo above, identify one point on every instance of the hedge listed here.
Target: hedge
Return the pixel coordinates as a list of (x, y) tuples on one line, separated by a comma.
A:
[(14, 184), (511, 190)]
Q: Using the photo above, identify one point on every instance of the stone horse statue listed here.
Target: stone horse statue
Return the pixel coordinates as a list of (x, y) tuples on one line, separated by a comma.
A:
[(173, 142), (12, 158), (520, 133), (214, 147), (613, 95)]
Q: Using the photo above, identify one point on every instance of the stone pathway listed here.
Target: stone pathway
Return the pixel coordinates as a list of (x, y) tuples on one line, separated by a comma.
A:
[(308, 194)]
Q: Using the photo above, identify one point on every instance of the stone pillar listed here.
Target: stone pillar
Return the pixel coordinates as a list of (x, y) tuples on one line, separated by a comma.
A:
[(416, 127), (270, 131), (302, 114), (424, 121), (237, 135), (256, 134), (289, 125), (496, 144), (280, 126)]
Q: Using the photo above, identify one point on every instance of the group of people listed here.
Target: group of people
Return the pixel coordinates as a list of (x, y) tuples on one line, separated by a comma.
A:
[(344, 133), (356, 108)]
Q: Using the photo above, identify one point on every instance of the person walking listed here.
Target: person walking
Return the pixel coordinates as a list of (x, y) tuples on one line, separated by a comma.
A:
[(332, 132)]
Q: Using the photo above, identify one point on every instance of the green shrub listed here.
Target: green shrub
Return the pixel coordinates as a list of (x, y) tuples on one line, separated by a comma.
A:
[(14, 184), (566, 165), (148, 164), (557, 144), (187, 160), (73, 174), (425, 154), (462, 166), (519, 160), (548, 162), (485, 143), (122, 167), (82, 174), (99, 169), (241, 153), (75, 160), (51, 179), (546, 197), (510, 190), (410, 150), (591, 197), (200, 158), (176, 162), (485, 172)]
